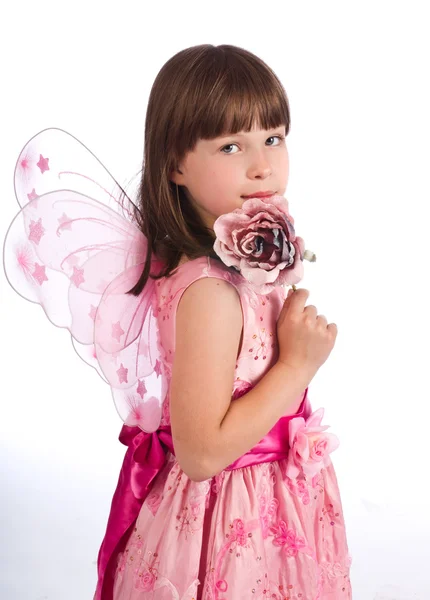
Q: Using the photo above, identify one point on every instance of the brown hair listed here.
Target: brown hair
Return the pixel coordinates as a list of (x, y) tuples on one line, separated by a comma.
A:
[(203, 92)]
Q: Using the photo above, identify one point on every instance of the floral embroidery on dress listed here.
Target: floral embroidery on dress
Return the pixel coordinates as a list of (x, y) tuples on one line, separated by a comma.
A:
[(264, 342), (190, 520), (330, 514), (217, 482), (303, 489), (145, 572), (153, 502), (146, 575), (145, 579), (299, 488), (239, 536), (335, 576), (165, 304), (277, 591), (268, 504), (290, 542)]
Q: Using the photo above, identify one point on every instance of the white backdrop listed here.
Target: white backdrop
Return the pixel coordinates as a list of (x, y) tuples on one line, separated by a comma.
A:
[(356, 74)]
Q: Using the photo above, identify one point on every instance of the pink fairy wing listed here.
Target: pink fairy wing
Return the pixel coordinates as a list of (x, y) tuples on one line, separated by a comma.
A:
[(55, 160), (76, 252), (127, 350)]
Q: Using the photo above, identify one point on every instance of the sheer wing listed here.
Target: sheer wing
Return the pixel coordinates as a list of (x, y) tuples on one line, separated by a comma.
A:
[(73, 248)]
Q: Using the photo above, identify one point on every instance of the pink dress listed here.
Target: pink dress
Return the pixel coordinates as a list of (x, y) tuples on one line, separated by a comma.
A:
[(251, 531)]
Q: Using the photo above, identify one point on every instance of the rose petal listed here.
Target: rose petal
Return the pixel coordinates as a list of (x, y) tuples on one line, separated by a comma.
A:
[(228, 257), (258, 276), (301, 447), (315, 418), (294, 426), (292, 471)]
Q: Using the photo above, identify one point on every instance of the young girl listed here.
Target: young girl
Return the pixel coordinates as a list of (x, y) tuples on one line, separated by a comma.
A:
[(230, 493)]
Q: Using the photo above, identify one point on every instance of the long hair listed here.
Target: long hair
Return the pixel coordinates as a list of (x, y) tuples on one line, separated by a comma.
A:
[(202, 92)]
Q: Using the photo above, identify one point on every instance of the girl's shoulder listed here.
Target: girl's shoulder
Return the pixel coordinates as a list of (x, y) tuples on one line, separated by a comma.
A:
[(171, 288), (204, 266)]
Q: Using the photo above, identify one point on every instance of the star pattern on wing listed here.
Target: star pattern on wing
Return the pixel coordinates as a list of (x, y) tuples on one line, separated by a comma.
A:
[(36, 231), (32, 195), (39, 273), (78, 276), (157, 368), (117, 331), (122, 374), (141, 388), (43, 164), (65, 223)]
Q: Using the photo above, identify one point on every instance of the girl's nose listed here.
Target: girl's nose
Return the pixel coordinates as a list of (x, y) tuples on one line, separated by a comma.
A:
[(259, 168)]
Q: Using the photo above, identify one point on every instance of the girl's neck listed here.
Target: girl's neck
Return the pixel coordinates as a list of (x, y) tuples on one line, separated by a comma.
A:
[(183, 259)]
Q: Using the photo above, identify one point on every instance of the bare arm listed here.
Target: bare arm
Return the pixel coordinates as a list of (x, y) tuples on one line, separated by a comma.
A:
[(209, 431), (252, 416)]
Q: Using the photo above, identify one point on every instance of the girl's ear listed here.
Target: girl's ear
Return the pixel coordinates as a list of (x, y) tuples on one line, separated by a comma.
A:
[(177, 176)]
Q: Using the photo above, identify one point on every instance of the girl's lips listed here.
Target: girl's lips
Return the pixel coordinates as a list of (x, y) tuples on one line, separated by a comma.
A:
[(260, 195)]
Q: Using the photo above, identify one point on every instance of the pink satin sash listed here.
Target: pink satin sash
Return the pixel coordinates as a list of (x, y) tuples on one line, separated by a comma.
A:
[(145, 457)]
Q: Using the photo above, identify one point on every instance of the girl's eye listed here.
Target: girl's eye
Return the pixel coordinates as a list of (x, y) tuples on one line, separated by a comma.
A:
[(228, 146), (280, 138)]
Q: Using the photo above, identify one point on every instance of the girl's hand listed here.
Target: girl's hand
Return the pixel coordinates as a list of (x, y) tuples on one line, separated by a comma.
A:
[(305, 339)]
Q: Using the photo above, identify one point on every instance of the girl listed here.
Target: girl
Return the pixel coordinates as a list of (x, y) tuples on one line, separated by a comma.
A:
[(229, 492)]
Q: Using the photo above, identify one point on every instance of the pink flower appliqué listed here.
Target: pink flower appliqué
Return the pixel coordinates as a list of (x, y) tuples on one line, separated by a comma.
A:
[(309, 446), (145, 580), (268, 510), (288, 539), (153, 502), (299, 489), (238, 533), (259, 241)]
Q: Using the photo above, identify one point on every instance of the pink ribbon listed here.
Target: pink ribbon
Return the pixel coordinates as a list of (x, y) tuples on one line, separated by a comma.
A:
[(145, 457)]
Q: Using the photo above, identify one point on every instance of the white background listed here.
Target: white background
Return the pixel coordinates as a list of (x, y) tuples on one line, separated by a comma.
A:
[(357, 77)]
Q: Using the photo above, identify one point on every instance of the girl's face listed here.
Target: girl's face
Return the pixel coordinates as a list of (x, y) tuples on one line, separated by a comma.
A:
[(219, 173)]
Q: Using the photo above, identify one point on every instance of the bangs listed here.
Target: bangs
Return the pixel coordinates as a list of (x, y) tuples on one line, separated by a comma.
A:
[(227, 91), (243, 102)]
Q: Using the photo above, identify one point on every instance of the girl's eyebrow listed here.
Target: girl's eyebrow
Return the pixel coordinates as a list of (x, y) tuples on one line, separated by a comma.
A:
[(239, 135)]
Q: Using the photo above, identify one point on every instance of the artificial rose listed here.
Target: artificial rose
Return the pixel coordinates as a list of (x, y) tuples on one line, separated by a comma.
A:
[(309, 446), (259, 240)]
